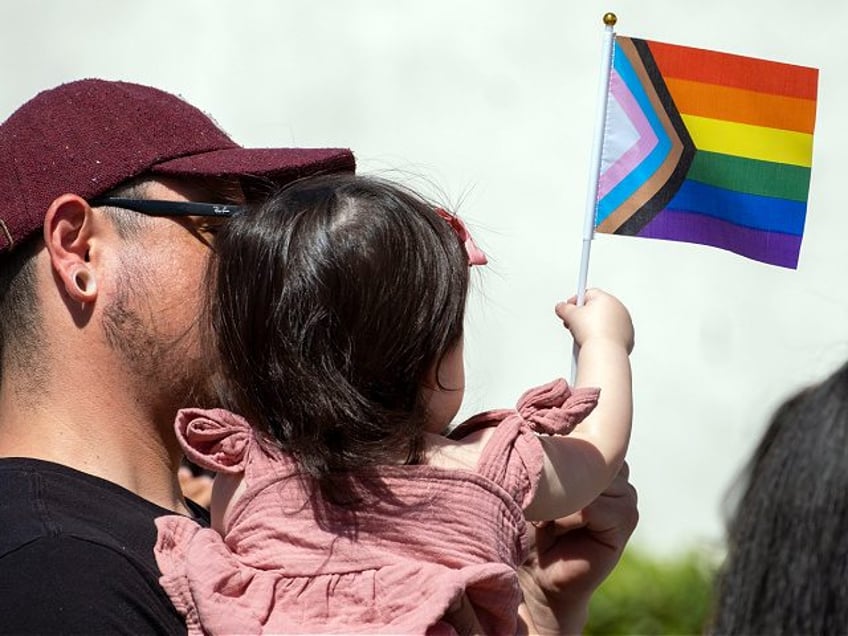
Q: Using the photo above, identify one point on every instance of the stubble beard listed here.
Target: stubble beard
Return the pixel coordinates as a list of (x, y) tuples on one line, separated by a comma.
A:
[(167, 369)]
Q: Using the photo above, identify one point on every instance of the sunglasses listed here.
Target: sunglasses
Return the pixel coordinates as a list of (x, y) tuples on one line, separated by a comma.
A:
[(169, 208)]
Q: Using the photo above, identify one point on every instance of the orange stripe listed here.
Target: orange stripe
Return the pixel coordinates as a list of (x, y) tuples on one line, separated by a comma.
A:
[(745, 107), (737, 71)]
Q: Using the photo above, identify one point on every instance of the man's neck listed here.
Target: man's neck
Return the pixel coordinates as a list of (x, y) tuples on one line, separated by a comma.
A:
[(102, 435)]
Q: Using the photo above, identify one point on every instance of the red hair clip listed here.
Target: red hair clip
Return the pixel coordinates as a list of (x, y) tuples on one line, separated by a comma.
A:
[(475, 254)]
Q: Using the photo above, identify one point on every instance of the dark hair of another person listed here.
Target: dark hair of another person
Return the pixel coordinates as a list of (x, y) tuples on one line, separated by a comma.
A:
[(786, 570), (333, 299)]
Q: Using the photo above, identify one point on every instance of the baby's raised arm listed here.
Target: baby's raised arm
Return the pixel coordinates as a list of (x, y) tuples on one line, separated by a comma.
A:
[(579, 466)]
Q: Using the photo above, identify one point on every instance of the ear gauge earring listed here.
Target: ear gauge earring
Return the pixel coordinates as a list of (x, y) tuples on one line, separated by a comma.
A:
[(83, 280)]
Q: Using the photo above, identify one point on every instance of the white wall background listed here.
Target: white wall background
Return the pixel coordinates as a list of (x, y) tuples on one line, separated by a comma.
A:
[(492, 104)]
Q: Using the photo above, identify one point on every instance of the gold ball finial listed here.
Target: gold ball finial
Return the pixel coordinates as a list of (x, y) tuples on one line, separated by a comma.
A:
[(610, 19)]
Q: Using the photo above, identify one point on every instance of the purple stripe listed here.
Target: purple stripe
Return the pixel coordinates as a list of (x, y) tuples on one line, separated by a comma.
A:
[(774, 248), (625, 164)]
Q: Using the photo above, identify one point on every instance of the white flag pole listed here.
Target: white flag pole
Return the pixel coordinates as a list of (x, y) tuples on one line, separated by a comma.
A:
[(594, 170)]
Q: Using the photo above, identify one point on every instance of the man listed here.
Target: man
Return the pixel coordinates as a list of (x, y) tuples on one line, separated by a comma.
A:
[(101, 273)]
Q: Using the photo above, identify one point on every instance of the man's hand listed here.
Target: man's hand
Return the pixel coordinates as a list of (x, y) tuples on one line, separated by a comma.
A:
[(572, 557)]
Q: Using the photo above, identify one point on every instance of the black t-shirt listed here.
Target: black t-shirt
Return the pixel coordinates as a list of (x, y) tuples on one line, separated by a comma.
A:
[(76, 555)]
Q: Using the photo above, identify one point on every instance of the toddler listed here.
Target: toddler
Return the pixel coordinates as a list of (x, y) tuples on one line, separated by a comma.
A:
[(338, 505)]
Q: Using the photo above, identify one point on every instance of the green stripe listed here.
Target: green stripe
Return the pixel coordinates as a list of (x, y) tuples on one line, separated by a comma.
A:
[(763, 178)]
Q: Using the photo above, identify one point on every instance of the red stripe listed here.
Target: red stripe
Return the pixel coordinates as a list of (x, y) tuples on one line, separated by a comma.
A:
[(736, 71)]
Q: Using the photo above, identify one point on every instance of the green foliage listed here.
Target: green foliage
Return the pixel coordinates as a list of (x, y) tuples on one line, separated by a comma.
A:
[(648, 595)]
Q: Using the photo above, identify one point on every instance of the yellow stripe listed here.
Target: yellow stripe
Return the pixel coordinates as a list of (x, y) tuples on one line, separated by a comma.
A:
[(753, 142)]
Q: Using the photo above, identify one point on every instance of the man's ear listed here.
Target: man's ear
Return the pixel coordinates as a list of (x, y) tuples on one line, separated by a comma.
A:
[(68, 233)]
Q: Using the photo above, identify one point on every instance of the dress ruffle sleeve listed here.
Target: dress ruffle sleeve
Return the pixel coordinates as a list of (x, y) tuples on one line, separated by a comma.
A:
[(513, 456), (219, 594), (218, 440), (215, 439), (208, 584), (555, 408)]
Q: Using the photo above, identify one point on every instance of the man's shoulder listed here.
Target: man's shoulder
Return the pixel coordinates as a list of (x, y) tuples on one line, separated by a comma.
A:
[(76, 554), (64, 583), (41, 499)]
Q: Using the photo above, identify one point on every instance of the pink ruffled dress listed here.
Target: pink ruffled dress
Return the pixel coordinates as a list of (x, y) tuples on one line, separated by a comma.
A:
[(440, 534)]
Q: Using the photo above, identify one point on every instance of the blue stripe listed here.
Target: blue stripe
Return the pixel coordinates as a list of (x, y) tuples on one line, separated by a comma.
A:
[(740, 208), (645, 170)]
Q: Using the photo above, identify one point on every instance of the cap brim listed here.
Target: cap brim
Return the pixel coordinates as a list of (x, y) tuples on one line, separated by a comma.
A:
[(278, 164)]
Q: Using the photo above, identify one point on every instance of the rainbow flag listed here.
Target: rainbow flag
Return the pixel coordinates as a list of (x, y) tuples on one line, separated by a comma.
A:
[(707, 147)]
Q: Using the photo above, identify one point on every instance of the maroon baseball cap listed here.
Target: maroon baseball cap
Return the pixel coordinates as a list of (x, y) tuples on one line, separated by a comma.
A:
[(88, 136)]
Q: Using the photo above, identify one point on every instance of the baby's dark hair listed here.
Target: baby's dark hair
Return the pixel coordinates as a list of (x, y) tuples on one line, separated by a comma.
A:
[(333, 300)]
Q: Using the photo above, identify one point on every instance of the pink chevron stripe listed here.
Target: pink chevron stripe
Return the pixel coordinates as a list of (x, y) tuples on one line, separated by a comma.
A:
[(623, 155)]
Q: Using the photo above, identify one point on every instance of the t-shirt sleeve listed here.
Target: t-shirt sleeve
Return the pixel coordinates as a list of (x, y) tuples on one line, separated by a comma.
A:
[(68, 585)]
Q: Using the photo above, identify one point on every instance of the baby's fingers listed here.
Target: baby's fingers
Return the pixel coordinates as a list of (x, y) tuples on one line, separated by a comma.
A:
[(565, 309)]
